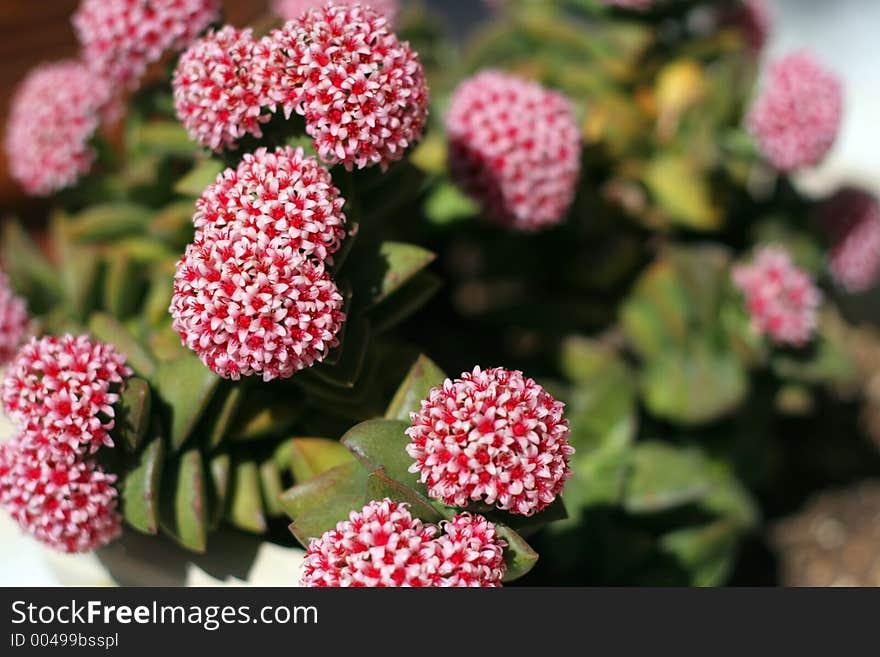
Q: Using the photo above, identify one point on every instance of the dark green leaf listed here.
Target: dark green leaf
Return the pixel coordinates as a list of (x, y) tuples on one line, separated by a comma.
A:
[(185, 387), (666, 477), (109, 221), (423, 375), (185, 521), (108, 329), (382, 444), (246, 505), (140, 489), (133, 417), (309, 457)]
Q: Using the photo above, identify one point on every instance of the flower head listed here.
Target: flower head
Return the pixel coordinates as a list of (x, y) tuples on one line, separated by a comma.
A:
[(69, 506), (796, 118), (362, 92), (384, 546), (14, 320), (54, 115), (278, 193), (492, 436), (515, 147), (470, 552), (121, 38), (249, 304), (780, 298), (219, 94), (852, 219), (61, 391), (293, 9)]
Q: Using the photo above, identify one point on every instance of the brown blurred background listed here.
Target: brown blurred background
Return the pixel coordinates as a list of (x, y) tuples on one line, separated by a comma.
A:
[(33, 32)]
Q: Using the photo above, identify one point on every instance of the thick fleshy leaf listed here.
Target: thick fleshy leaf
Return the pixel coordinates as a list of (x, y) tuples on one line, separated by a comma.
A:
[(185, 388), (665, 477), (185, 518), (405, 302), (382, 444), (348, 480), (518, 555), (394, 265), (246, 504), (122, 285), (602, 413), (696, 386), (220, 484), (707, 552), (352, 355), (447, 204), (140, 489), (28, 269), (310, 457), (133, 413), (380, 486), (109, 330), (162, 137), (224, 411), (260, 417), (318, 504), (422, 376), (272, 487), (204, 173), (109, 221), (682, 190)]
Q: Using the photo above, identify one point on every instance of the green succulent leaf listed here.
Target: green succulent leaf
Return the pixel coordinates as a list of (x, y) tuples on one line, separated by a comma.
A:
[(310, 457), (665, 477), (108, 329), (109, 221), (405, 302), (394, 265), (382, 444), (185, 520), (272, 487), (122, 285), (519, 556), (260, 416), (318, 504), (140, 489), (246, 502), (134, 413), (380, 486), (422, 376), (28, 269), (185, 387), (707, 552), (204, 173), (220, 483)]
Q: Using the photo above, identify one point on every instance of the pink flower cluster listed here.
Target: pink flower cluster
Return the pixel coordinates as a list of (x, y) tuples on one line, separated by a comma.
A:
[(362, 92), (852, 219), (218, 94), (278, 192), (384, 546), (293, 9), (492, 436), (252, 295), (14, 320), (121, 38), (796, 118), (54, 115), (60, 392), (780, 298), (71, 507), (515, 147)]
